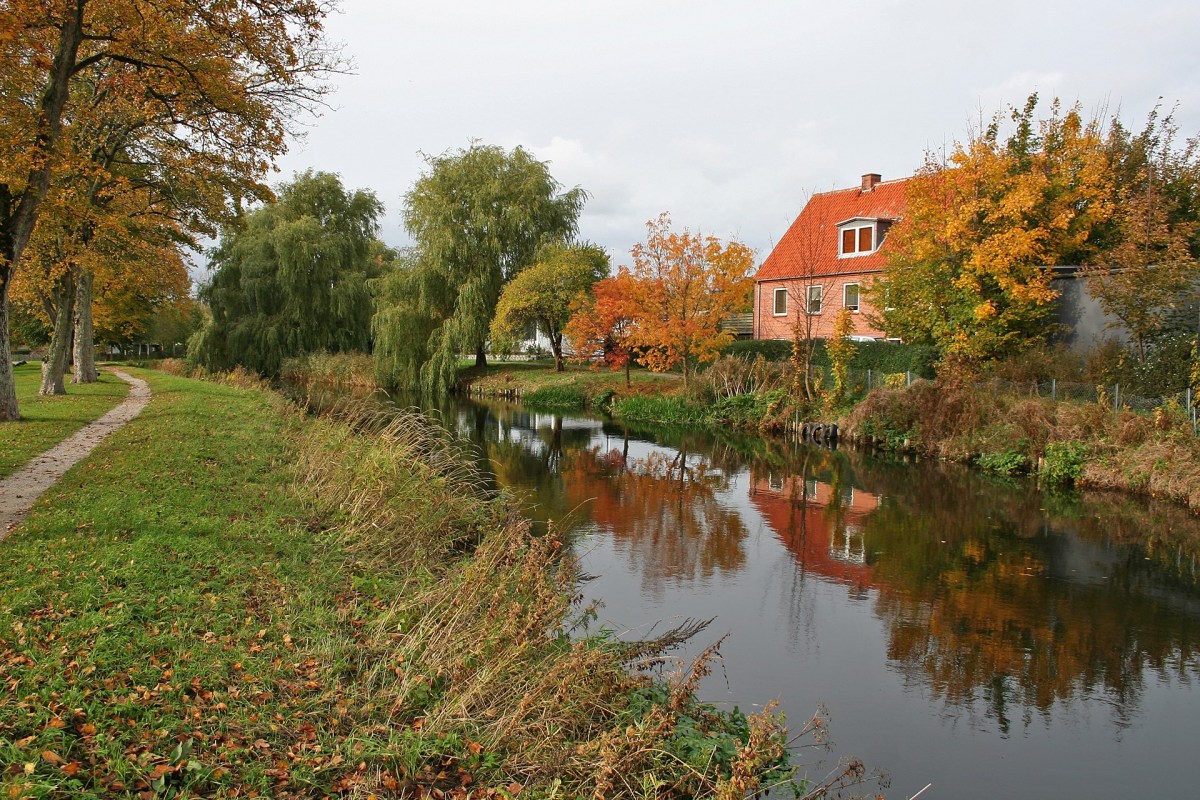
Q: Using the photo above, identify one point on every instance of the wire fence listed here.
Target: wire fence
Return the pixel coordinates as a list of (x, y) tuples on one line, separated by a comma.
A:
[(1113, 396)]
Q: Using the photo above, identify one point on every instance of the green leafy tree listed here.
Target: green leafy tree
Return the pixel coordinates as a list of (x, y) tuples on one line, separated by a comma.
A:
[(1148, 272), (478, 217), (543, 294), (293, 279)]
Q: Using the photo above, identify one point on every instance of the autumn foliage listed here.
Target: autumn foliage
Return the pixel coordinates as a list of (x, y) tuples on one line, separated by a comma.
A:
[(602, 320), (191, 101), (967, 271), (668, 305)]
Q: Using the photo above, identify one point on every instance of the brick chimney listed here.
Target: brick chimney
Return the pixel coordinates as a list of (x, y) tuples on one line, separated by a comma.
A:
[(870, 181)]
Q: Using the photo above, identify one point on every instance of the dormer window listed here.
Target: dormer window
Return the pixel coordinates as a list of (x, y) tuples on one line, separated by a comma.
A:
[(856, 241), (860, 236)]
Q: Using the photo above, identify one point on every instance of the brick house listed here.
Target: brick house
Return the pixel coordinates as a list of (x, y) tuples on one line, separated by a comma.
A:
[(834, 250)]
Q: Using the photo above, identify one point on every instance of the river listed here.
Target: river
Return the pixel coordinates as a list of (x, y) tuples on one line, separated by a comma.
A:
[(964, 631)]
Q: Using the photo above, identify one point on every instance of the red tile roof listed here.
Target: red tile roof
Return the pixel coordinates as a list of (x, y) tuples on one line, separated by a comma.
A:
[(813, 237)]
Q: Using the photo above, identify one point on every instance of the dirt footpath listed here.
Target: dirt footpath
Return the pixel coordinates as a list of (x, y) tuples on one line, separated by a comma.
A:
[(20, 490)]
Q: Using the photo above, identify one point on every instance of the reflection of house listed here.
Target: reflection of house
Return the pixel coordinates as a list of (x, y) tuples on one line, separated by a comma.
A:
[(827, 259), (822, 529)]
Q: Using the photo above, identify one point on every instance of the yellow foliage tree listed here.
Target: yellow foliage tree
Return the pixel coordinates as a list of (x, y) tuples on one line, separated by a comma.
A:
[(969, 266)]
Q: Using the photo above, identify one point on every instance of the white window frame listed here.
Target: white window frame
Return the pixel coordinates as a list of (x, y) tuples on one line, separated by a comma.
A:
[(856, 227), (775, 303), (808, 299), (858, 305)]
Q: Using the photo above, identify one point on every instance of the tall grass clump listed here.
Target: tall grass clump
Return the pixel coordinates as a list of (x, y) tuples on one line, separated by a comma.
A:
[(671, 409), (556, 398), (330, 370), (472, 665)]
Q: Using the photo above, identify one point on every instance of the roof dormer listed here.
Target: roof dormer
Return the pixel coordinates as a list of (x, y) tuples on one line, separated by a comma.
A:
[(860, 236)]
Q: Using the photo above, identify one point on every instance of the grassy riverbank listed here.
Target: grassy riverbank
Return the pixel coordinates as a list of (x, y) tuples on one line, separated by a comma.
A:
[(229, 598), (577, 387), (45, 421), (1061, 442), (1087, 444)]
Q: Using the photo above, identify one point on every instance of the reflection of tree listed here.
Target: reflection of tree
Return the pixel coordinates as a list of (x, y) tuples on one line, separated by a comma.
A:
[(661, 509), (988, 601)]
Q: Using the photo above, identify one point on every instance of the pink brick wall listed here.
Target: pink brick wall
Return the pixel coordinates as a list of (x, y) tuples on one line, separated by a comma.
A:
[(769, 326)]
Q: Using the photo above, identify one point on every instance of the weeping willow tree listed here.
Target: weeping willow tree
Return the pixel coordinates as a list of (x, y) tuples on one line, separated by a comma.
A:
[(293, 278), (478, 217)]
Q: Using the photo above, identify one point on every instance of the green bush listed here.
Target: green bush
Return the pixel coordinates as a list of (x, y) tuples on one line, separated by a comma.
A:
[(891, 357), (746, 411), (1063, 462), (1006, 462), (883, 357)]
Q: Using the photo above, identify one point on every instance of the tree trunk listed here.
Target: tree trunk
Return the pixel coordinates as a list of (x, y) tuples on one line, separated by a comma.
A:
[(628, 367), (85, 340), (8, 389), (480, 357), (54, 368), (19, 211), (556, 348)]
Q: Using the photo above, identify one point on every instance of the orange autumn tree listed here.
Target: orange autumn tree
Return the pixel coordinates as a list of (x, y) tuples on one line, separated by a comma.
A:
[(602, 321), (683, 285)]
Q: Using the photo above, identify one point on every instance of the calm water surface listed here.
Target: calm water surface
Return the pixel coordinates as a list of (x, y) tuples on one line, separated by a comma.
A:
[(982, 636)]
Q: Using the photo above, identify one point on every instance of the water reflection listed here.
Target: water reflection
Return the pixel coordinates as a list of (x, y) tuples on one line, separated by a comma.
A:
[(993, 598), (662, 509)]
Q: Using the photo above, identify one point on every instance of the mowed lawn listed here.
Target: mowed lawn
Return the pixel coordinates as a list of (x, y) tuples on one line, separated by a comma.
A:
[(46, 421)]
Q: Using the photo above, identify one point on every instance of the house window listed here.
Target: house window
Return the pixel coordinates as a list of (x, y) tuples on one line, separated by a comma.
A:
[(858, 240), (814, 299), (850, 293), (780, 302)]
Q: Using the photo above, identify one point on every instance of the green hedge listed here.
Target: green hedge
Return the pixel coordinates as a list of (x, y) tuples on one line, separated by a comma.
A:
[(889, 357), (883, 357), (770, 349)]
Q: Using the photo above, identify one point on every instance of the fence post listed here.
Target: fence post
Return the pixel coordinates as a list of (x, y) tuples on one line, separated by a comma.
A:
[(1054, 388), (1189, 399), (868, 380), (907, 379), (1116, 396)]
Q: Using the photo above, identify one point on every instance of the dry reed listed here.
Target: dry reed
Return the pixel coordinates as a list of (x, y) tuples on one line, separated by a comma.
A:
[(467, 650)]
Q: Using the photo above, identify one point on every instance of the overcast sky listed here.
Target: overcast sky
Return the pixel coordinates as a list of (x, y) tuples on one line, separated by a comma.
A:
[(727, 114)]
